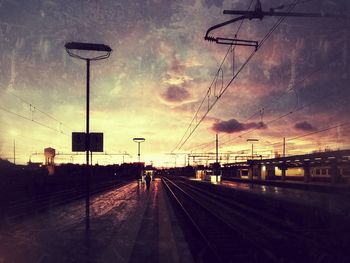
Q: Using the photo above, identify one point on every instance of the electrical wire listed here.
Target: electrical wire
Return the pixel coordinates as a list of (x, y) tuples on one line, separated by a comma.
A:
[(264, 107), (261, 43), (324, 97), (39, 110), (210, 86), (32, 120)]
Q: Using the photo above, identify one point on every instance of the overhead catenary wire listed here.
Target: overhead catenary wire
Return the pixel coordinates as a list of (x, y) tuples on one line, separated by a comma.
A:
[(213, 141), (210, 86), (309, 133), (343, 124), (37, 140), (320, 131), (264, 107), (35, 108), (261, 43), (232, 49), (281, 116), (32, 120)]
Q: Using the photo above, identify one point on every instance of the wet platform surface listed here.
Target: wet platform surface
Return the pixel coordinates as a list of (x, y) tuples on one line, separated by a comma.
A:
[(333, 203), (129, 224)]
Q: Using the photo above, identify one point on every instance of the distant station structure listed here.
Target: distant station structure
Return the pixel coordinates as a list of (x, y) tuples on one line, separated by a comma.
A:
[(330, 166)]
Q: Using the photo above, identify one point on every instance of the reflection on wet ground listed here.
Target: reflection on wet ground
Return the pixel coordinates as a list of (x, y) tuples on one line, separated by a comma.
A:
[(338, 204), (59, 235)]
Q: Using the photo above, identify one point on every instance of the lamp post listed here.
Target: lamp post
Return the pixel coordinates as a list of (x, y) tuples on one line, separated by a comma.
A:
[(252, 141), (106, 51), (138, 141)]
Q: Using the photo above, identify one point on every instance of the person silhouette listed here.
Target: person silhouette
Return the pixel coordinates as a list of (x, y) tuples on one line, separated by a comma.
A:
[(148, 181)]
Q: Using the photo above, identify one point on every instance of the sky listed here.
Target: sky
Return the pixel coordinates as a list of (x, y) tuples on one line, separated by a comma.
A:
[(296, 85)]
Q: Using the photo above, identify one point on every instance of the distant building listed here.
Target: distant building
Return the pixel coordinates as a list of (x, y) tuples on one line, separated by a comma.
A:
[(50, 154)]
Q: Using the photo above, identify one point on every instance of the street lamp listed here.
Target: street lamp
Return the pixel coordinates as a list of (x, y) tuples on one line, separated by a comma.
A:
[(106, 51), (139, 141)]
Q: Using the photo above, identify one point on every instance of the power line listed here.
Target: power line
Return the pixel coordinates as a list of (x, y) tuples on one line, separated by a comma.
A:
[(213, 141), (262, 42), (264, 107), (331, 117), (32, 106), (210, 86), (32, 120), (344, 124), (325, 96), (231, 48), (264, 39), (38, 140), (319, 131)]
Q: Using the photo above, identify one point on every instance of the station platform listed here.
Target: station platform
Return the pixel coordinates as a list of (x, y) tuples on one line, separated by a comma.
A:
[(329, 201), (322, 187), (128, 224)]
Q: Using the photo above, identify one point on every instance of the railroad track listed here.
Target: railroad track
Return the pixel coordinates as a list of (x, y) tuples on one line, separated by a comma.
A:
[(271, 239), (221, 241), (21, 208)]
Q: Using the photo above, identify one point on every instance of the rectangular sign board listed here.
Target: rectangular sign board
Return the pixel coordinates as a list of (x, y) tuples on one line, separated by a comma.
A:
[(96, 142), (79, 142)]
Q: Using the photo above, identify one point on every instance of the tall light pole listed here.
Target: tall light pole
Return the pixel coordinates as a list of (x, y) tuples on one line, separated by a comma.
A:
[(138, 141), (14, 134), (106, 51), (14, 151)]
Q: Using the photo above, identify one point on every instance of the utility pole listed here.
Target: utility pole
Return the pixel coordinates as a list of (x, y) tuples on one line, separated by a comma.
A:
[(14, 151), (252, 162), (217, 148), (252, 140), (14, 133)]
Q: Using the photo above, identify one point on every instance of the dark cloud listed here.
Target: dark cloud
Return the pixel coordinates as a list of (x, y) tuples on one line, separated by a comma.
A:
[(304, 126), (232, 126), (175, 94)]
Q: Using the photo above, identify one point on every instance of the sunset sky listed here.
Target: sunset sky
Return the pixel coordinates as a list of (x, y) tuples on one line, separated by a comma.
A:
[(159, 72)]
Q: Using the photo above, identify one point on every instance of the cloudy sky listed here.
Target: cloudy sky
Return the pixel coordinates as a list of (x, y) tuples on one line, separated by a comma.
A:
[(160, 71)]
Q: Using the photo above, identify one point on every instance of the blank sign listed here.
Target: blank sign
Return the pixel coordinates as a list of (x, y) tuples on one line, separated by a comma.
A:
[(79, 142), (96, 142)]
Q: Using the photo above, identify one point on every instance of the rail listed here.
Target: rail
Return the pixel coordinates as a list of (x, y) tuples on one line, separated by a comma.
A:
[(225, 242), (273, 234)]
